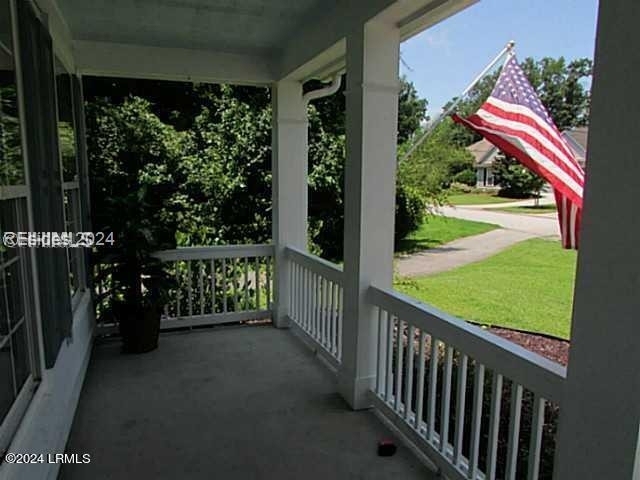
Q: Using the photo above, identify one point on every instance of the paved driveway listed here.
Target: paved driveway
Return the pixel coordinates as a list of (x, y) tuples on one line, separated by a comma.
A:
[(515, 228), (537, 225)]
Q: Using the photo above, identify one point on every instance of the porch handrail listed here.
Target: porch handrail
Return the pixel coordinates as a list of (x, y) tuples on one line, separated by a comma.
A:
[(328, 270), (316, 303), (525, 367), (215, 251), (213, 284), (425, 358)]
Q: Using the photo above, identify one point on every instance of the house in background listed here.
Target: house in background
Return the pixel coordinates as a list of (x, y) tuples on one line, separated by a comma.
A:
[(577, 140), (485, 153)]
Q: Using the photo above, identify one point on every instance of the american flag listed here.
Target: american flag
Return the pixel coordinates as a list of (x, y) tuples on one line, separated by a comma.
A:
[(514, 120)]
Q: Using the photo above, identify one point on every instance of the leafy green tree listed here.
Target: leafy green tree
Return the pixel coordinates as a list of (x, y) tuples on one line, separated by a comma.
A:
[(410, 211), (134, 158), (466, 177), (412, 111), (135, 178), (11, 165), (433, 166), (515, 180), (561, 88), (223, 170), (228, 180)]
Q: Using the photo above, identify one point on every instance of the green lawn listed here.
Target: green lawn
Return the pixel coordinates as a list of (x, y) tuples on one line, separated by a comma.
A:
[(438, 230), (529, 209), (476, 198), (528, 287)]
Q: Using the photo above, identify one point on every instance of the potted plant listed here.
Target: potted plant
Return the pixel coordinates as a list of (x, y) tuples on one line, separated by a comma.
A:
[(139, 299), (135, 196)]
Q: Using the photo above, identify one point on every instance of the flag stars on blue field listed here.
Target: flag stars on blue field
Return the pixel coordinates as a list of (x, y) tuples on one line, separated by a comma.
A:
[(513, 87)]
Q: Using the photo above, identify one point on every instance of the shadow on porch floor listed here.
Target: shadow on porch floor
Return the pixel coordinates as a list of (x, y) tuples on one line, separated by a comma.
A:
[(227, 403)]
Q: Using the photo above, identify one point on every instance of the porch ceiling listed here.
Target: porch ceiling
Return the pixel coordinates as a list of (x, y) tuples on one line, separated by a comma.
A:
[(236, 41), (253, 27)]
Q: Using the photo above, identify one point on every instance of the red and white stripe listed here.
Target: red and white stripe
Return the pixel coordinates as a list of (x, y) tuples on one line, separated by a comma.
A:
[(521, 133)]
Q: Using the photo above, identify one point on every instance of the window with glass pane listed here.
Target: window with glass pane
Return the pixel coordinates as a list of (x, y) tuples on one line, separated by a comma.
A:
[(68, 159), (11, 166), (15, 269), (15, 367)]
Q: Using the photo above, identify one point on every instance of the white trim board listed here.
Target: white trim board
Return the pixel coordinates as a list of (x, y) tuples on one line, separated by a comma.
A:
[(47, 422)]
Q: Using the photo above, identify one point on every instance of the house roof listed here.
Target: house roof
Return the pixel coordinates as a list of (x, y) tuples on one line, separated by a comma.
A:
[(483, 152), (577, 140)]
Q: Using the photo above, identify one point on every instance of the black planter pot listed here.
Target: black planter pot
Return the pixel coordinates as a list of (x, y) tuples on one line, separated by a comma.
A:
[(140, 328)]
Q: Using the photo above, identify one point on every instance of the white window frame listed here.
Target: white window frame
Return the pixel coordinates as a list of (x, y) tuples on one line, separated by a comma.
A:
[(73, 187)]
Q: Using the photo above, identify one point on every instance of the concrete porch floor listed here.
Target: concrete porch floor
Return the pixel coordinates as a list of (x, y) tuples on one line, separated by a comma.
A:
[(246, 402)]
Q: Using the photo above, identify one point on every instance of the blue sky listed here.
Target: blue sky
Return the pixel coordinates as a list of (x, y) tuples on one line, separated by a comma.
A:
[(446, 57)]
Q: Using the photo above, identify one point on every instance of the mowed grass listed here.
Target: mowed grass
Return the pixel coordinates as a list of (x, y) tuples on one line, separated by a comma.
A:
[(476, 198), (527, 287), (438, 230), (529, 209)]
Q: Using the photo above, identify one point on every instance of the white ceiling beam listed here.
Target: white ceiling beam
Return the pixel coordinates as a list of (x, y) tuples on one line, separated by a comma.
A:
[(59, 31), (161, 63), (431, 14), (315, 37), (319, 47)]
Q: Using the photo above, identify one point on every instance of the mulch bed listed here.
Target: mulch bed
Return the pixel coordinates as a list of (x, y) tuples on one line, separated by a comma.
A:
[(549, 347)]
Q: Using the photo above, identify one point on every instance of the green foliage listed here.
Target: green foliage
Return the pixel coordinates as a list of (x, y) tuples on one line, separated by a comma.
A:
[(11, 165), (432, 168), (326, 186), (515, 180), (135, 174), (222, 171), (411, 110), (560, 86), (67, 145), (410, 211), (228, 169), (326, 169), (466, 177)]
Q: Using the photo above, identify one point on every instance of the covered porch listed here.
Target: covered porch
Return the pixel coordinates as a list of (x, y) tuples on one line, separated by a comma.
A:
[(231, 402), (243, 402)]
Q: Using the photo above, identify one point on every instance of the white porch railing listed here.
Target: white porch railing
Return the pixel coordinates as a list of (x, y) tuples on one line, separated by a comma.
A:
[(213, 285), (315, 302), (219, 284), (424, 354)]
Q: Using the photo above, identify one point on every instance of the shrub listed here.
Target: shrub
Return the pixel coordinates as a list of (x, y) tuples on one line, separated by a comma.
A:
[(466, 177), (515, 180), (410, 211)]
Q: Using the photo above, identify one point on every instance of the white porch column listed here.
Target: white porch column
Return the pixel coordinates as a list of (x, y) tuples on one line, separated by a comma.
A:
[(599, 420), (370, 176), (289, 185)]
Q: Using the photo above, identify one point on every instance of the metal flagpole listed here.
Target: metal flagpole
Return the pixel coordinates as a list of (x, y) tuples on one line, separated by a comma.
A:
[(445, 113)]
